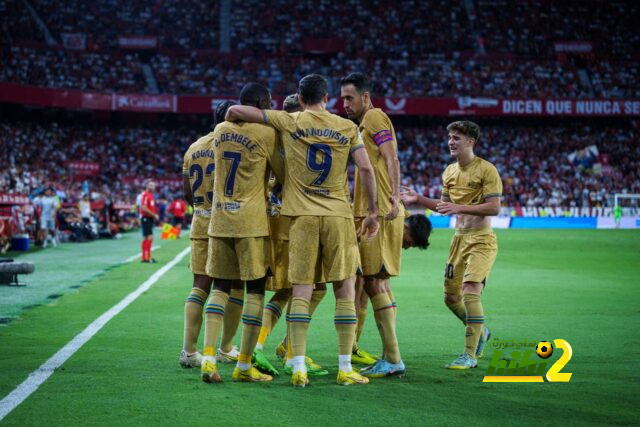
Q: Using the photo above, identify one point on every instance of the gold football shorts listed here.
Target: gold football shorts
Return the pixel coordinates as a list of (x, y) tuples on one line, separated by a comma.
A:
[(279, 265), (381, 256), (238, 258), (472, 254), (198, 259), (322, 249)]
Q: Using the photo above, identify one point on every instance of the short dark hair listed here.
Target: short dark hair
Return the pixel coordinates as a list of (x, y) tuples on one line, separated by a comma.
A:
[(419, 229), (313, 88), (360, 81), (253, 94), (291, 104), (466, 128), (221, 111)]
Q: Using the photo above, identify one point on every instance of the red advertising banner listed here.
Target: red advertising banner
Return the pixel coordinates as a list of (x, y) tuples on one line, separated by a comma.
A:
[(138, 42), (80, 167), (151, 103), (326, 45), (191, 104), (13, 199)]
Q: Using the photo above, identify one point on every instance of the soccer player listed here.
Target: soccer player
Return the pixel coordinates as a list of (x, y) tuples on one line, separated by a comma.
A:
[(148, 213), (239, 229), (197, 189), (471, 190), (380, 257), (322, 236), (281, 300)]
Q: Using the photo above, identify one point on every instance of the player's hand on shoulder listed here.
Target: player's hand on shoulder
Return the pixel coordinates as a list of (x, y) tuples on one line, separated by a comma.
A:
[(395, 209), (408, 195)]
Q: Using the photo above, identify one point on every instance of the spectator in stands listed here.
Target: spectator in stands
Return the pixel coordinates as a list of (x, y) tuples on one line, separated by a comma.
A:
[(85, 209)]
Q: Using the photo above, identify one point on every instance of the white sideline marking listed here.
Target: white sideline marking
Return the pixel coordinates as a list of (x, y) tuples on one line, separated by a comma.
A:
[(138, 255), (40, 375)]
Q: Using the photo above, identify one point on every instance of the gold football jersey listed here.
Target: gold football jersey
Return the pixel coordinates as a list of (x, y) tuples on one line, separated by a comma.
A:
[(376, 129), (243, 152), (317, 145), (198, 166), (471, 184)]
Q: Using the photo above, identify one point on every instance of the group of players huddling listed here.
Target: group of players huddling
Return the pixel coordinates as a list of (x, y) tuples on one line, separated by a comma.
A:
[(272, 211)]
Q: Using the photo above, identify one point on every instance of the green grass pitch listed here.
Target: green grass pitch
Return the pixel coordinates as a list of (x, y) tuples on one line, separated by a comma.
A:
[(582, 286)]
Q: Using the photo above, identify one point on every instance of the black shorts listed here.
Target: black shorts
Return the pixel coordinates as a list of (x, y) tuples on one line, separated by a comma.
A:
[(147, 226), (178, 220)]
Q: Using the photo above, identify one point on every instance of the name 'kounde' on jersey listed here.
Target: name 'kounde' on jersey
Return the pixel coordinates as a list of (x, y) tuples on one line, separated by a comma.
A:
[(198, 166)]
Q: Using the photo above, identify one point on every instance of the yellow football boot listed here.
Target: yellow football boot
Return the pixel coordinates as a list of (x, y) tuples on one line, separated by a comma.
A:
[(209, 370), (299, 379), (348, 378), (281, 352), (363, 357), (251, 375)]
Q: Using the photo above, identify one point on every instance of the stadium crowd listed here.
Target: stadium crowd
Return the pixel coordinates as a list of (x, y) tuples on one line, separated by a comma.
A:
[(178, 24), (532, 159), (403, 55), (432, 75), (69, 69), (610, 26)]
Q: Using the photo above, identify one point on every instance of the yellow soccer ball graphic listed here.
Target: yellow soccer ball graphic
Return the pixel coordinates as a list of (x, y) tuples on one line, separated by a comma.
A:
[(544, 349)]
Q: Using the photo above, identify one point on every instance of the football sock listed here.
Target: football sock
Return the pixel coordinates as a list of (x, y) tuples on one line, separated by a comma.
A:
[(475, 322), (145, 252), (345, 321), (214, 313), (298, 321), (344, 362), (458, 308), (383, 311), (298, 364), (149, 243), (316, 297), (232, 314), (251, 323), (287, 337), (361, 316), (392, 298), (193, 319), (270, 316), (289, 351)]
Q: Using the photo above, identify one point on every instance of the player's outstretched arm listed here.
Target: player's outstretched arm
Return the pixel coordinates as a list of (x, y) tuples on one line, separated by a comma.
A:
[(244, 113), (490, 207), (409, 196), (370, 224)]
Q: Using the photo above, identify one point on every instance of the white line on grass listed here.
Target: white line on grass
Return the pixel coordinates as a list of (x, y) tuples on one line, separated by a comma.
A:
[(138, 255), (40, 375)]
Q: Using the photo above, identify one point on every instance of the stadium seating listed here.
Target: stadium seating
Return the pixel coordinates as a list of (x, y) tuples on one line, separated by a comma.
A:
[(466, 48), (531, 157), (533, 161)]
